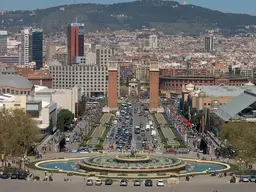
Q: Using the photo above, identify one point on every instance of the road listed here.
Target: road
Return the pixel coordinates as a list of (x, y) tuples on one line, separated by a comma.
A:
[(136, 122)]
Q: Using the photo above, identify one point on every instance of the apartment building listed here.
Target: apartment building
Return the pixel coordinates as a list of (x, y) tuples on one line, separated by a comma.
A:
[(103, 54)]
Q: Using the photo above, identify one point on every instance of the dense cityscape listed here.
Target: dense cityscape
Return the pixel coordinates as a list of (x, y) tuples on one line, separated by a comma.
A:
[(127, 108)]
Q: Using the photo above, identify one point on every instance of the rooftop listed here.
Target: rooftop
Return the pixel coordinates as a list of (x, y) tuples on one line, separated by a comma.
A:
[(225, 91), (236, 105), (16, 81)]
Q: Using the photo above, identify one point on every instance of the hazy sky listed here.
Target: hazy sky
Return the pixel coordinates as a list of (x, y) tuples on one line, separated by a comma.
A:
[(234, 6)]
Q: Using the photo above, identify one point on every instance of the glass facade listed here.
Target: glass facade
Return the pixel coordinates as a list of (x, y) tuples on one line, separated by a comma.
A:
[(214, 123), (37, 48)]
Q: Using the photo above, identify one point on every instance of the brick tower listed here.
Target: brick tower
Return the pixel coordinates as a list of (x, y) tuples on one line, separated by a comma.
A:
[(113, 85), (154, 85)]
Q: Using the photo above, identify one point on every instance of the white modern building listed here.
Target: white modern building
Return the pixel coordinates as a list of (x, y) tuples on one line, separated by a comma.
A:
[(64, 98)]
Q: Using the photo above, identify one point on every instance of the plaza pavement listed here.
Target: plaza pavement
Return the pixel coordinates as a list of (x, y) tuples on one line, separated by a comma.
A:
[(31, 186)]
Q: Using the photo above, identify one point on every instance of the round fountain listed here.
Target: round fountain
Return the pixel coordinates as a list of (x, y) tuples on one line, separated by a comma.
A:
[(132, 163)]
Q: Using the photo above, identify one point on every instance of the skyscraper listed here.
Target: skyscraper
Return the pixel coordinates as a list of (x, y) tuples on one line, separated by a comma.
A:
[(25, 49), (37, 47), (3, 42), (152, 41), (75, 41), (208, 43)]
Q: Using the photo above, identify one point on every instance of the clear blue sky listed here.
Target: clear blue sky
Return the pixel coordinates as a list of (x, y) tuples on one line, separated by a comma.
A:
[(234, 6)]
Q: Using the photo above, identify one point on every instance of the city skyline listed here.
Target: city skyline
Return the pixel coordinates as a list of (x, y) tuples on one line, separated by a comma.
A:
[(232, 6)]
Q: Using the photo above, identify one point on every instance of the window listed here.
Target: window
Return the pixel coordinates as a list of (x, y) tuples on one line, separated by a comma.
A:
[(34, 114), (8, 90)]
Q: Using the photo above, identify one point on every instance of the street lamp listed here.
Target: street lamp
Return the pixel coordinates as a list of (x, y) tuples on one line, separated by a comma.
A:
[(240, 164)]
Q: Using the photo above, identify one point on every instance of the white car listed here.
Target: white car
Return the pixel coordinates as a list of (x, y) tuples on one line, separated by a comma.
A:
[(89, 182), (160, 183), (244, 179), (98, 182)]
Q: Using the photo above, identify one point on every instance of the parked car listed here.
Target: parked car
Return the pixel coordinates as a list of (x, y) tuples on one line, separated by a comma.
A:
[(137, 183), (108, 182), (89, 182), (253, 178), (171, 150), (160, 183), (98, 182), (5, 175), (14, 176), (244, 179), (123, 182), (148, 183)]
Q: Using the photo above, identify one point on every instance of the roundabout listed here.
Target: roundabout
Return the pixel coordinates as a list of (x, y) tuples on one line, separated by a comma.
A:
[(132, 166)]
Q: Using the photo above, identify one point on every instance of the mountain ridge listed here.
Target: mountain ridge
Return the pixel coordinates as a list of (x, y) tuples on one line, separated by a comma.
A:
[(168, 16)]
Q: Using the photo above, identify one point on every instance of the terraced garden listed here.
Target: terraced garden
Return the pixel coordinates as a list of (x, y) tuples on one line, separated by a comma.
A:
[(99, 132), (166, 133)]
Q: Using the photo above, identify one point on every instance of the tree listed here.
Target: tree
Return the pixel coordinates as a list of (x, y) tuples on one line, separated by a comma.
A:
[(50, 127), (64, 119), (242, 136), (18, 132)]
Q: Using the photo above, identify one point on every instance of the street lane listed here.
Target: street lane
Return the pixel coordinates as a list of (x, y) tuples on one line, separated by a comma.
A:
[(137, 119)]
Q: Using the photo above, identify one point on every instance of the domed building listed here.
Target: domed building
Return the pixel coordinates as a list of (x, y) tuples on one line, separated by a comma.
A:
[(201, 94), (15, 85)]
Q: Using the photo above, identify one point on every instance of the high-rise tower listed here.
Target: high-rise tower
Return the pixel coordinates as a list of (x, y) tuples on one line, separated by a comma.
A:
[(37, 47), (154, 85), (25, 49), (208, 43), (75, 41), (3, 42)]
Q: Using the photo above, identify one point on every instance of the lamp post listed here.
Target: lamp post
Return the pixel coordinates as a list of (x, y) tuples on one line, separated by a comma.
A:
[(240, 164)]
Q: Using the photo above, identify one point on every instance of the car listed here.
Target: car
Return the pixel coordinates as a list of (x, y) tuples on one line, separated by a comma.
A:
[(89, 182), (160, 183), (253, 178), (171, 150), (244, 179), (108, 182), (123, 182), (98, 182), (22, 176), (139, 138), (148, 183), (14, 176), (5, 175), (137, 183)]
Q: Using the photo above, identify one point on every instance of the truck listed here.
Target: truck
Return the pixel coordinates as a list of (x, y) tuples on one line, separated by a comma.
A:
[(147, 127), (118, 114), (153, 133)]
